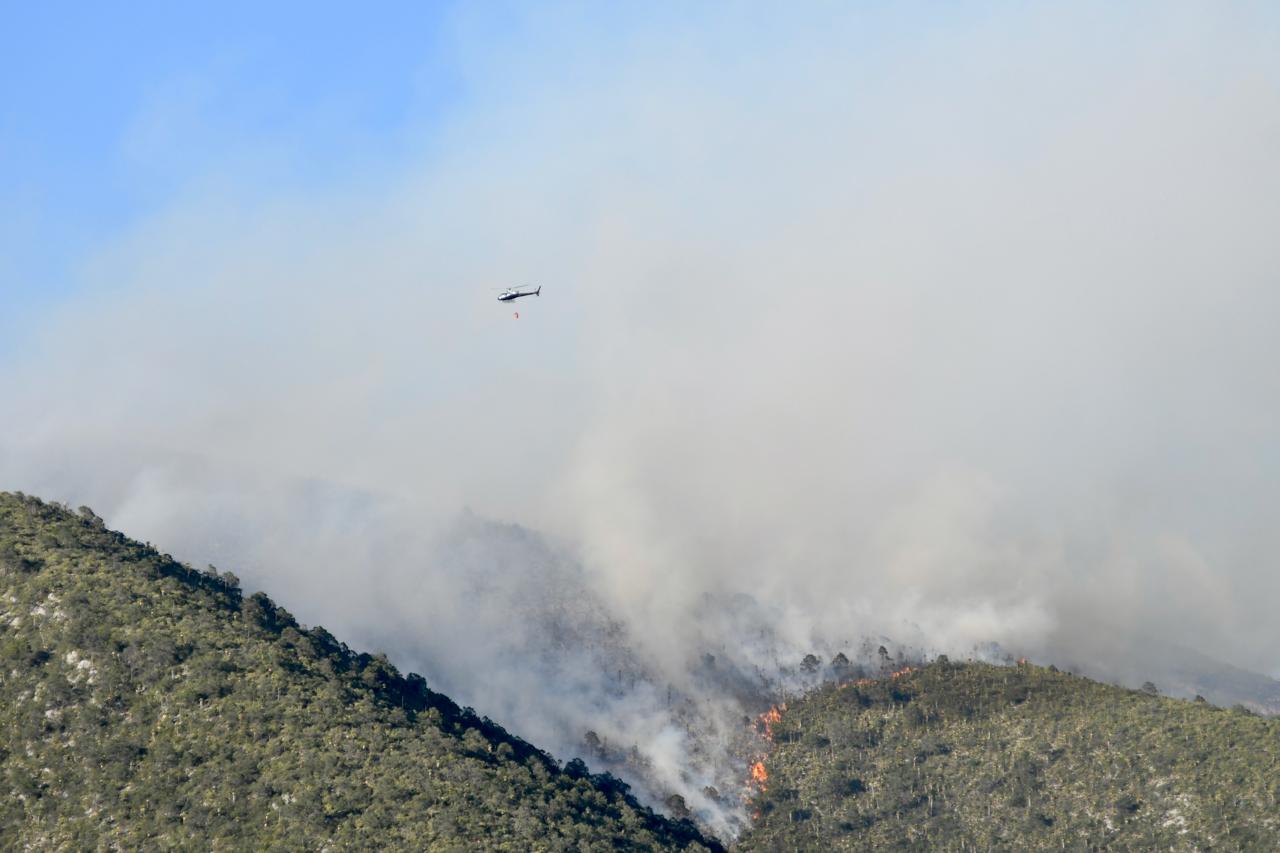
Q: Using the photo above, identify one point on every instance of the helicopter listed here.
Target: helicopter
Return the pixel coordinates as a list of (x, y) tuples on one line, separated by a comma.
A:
[(513, 293)]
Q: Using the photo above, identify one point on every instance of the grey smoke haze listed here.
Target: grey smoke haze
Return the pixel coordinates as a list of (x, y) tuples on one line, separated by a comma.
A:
[(957, 332)]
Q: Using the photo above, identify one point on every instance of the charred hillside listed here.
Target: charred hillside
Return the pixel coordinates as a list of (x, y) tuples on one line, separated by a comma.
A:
[(146, 704), (979, 757)]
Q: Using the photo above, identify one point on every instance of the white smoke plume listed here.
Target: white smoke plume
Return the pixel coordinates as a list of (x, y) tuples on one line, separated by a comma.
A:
[(957, 331)]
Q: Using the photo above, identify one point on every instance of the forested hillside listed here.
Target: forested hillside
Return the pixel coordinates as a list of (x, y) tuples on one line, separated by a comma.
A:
[(146, 705), (980, 757)]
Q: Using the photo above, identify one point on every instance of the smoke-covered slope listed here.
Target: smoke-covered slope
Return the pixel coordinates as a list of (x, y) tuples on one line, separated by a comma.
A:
[(975, 756), (143, 704)]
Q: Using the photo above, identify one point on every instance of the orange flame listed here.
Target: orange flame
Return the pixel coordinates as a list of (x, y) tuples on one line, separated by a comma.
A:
[(764, 723), (867, 682), (759, 776)]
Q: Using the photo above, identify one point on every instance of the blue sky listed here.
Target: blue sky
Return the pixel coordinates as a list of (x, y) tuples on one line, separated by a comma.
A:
[(110, 111)]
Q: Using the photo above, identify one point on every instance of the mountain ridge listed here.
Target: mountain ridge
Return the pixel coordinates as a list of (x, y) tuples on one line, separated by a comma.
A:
[(148, 704), (977, 756), (219, 719)]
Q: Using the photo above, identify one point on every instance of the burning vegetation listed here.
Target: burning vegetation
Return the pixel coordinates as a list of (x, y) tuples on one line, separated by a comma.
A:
[(867, 682), (758, 781), (766, 721), (981, 756)]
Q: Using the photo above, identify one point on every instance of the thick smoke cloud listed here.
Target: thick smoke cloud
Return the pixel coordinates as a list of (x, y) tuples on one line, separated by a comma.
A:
[(956, 331)]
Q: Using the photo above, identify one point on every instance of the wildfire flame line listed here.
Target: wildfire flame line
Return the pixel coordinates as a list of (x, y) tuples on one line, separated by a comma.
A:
[(766, 720), (759, 779), (758, 782), (865, 682)]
